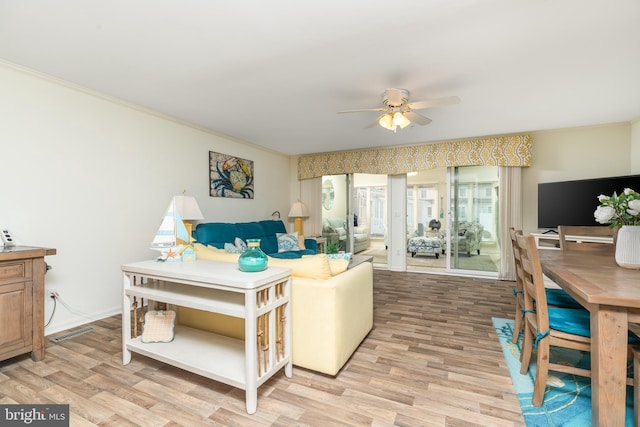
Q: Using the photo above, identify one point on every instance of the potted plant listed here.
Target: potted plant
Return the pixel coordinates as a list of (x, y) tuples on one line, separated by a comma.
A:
[(623, 212), (331, 248)]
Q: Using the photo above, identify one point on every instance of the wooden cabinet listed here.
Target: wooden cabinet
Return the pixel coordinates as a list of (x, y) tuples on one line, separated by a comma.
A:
[(22, 270)]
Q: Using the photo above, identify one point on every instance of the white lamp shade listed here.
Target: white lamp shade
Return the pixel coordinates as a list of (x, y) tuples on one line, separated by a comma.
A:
[(298, 210), (386, 122), (188, 208)]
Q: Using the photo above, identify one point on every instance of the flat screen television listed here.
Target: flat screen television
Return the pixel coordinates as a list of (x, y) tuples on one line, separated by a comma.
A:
[(573, 202)]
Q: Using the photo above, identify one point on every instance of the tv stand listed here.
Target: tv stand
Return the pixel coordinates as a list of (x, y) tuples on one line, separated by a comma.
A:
[(551, 230), (552, 241)]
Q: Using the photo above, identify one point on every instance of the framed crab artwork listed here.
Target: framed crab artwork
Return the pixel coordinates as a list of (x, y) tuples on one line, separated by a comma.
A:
[(230, 176)]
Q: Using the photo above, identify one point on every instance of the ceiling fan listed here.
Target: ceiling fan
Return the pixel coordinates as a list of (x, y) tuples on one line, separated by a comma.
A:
[(399, 112)]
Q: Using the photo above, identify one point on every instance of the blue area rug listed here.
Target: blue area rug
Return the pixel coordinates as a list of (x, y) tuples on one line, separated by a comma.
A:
[(567, 399)]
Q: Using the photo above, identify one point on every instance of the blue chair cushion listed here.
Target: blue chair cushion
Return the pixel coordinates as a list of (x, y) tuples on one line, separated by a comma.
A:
[(575, 321), (560, 298), (570, 320)]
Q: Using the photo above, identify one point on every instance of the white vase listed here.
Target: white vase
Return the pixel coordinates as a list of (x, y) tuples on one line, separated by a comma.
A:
[(628, 246)]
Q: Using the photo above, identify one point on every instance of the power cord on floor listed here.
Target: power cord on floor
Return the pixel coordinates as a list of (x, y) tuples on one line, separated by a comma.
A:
[(55, 304), (74, 311), (57, 298)]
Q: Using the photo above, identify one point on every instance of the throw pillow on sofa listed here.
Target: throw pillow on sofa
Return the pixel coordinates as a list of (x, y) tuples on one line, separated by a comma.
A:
[(344, 255), (240, 244), (287, 242), (231, 248)]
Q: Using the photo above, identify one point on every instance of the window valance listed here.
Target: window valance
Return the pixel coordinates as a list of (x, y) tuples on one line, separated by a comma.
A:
[(514, 150)]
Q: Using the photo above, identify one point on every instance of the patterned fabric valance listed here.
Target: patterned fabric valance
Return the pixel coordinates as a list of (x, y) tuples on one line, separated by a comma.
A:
[(512, 150)]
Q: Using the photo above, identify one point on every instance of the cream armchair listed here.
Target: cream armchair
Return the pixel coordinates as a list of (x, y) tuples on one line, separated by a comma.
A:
[(468, 238), (335, 231)]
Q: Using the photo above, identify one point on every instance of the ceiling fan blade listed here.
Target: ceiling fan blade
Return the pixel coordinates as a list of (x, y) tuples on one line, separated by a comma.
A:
[(417, 118), (374, 123), (362, 110), (438, 102)]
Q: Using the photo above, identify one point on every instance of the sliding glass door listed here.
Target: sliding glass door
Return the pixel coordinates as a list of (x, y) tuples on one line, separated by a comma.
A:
[(370, 217), (473, 242)]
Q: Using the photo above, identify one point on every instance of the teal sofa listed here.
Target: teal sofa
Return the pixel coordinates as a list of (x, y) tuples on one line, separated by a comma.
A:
[(216, 234)]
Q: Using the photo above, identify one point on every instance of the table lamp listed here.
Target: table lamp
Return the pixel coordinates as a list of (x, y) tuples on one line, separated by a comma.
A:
[(298, 211), (189, 210)]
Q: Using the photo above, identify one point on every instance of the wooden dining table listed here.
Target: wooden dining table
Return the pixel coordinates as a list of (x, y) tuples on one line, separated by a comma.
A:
[(612, 296)]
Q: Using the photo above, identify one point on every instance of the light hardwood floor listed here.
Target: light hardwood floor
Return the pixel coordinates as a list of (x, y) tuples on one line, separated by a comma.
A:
[(432, 359)]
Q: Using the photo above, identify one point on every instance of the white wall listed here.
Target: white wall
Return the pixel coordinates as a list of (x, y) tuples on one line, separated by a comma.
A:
[(91, 177), (576, 153), (635, 147)]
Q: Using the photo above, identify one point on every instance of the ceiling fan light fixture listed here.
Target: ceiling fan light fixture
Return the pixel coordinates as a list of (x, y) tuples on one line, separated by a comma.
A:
[(386, 121), (401, 120), (397, 109)]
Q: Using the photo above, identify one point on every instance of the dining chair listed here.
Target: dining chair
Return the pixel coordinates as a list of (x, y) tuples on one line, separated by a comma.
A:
[(602, 233), (546, 327), (555, 297), (636, 385)]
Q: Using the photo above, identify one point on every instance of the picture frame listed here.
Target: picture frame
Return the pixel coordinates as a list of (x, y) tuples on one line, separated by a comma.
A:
[(230, 176)]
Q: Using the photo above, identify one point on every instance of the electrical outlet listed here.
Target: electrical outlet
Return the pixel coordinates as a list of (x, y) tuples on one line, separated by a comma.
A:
[(7, 238), (53, 293)]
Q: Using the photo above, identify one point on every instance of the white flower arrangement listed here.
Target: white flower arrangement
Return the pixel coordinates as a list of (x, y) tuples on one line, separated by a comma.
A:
[(619, 210)]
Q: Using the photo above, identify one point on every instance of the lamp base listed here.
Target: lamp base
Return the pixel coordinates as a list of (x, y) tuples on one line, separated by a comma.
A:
[(299, 227), (189, 227)]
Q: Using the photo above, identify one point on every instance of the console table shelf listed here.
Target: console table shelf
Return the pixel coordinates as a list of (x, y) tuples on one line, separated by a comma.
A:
[(223, 302), (261, 298), (204, 353)]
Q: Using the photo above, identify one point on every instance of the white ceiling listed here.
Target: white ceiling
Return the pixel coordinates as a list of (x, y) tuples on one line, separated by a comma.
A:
[(275, 73)]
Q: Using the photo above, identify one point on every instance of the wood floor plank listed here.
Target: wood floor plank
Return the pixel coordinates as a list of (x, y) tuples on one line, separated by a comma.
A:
[(170, 395), (181, 416), (123, 390), (78, 404), (128, 410), (433, 359)]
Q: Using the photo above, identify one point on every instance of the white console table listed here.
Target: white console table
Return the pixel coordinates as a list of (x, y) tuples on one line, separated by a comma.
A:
[(552, 241), (261, 298)]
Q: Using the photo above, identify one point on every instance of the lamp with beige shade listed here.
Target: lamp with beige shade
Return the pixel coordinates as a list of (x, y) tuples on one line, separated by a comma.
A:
[(299, 212)]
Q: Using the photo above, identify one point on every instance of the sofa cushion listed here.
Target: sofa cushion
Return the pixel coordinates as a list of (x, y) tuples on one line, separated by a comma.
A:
[(292, 254), (287, 242), (269, 242), (309, 266), (212, 253), (216, 233), (338, 265)]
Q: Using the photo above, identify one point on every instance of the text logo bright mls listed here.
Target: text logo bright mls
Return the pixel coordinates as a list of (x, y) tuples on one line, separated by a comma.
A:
[(34, 415)]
